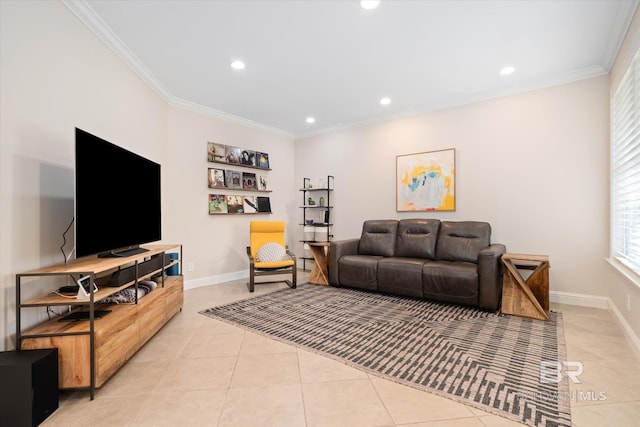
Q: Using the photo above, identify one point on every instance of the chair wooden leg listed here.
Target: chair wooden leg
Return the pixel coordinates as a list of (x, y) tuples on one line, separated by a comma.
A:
[(295, 277)]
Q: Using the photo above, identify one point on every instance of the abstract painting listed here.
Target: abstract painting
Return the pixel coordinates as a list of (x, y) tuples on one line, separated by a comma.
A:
[(426, 181)]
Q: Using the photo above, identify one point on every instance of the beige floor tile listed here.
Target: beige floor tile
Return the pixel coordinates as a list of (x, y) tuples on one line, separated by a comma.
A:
[(262, 370), (102, 411), (134, 379), (616, 414), (497, 421), (197, 374), (350, 403), (316, 368), (460, 422), (408, 405), (257, 344), (277, 406), (619, 379), (202, 346), (164, 347), (185, 409)]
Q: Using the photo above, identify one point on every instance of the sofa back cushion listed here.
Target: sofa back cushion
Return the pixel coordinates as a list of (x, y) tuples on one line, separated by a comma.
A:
[(417, 238), (378, 237), (462, 240)]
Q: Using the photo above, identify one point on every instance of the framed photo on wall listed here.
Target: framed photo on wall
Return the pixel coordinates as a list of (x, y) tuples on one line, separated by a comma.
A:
[(426, 181)]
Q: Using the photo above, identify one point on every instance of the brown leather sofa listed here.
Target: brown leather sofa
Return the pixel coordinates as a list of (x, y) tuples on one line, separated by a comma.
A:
[(446, 261)]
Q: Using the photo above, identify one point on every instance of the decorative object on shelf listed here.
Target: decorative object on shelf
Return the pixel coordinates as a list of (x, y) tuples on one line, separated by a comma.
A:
[(216, 152), (315, 215), (216, 178), (426, 181), (249, 181), (218, 204), (264, 204), (263, 183), (233, 179), (262, 160), (248, 158), (250, 205), (232, 155), (235, 204)]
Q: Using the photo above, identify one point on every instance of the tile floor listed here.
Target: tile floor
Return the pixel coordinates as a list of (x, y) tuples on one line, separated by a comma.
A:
[(201, 372)]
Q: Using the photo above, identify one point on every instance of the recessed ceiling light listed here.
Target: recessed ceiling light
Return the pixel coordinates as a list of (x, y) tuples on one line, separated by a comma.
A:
[(507, 70), (237, 65), (385, 101), (311, 120), (369, 4)]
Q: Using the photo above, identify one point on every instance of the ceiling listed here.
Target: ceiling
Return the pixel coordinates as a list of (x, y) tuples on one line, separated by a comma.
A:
[(334, 61)]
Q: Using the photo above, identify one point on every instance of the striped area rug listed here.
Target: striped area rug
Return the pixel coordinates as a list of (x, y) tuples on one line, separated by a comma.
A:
[(485, 360)]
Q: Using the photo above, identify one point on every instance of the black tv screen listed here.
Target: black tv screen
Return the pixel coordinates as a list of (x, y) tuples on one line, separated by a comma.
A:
[(117, 198)]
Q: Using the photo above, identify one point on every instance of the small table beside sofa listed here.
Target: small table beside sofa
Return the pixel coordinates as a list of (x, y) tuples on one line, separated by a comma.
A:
[(447, 261)]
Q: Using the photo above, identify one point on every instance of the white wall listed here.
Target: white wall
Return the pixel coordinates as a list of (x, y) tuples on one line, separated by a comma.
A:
[(534, 165), (56, 75), (216, 244)]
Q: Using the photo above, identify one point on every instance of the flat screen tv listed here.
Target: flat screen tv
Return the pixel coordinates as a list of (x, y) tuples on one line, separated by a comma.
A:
[(117, 199)]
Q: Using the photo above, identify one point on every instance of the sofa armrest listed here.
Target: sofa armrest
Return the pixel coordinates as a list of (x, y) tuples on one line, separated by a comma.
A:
[(337, 250), (490, 276)]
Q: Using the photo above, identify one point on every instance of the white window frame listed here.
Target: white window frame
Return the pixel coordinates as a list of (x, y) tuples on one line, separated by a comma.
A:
[(625, 172)]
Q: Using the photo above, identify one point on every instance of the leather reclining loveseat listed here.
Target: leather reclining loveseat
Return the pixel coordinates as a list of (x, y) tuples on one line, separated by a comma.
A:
[(446, 261)]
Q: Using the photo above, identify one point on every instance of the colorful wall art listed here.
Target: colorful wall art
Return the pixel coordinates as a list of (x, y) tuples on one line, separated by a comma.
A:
[(426, 181)]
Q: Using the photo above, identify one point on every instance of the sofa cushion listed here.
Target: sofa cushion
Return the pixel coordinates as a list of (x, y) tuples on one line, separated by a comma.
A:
[(359, 271), (378, 237), (462, 240), (455, 282), (417, 238), (400, 276)]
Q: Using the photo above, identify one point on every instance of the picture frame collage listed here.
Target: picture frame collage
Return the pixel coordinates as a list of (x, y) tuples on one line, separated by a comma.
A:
[(233, 179)]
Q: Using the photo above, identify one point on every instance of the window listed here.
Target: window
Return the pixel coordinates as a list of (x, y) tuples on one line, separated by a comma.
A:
[(625, 169)]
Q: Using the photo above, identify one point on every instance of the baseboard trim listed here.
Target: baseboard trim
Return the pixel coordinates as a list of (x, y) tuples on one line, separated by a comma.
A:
[(582, 300), (214, 280), (628, 332)]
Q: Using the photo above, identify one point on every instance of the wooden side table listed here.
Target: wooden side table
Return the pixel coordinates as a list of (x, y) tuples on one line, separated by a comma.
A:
[(530, 297), (319, 273)]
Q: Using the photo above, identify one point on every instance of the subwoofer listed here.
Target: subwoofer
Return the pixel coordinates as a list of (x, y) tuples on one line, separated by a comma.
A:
[(28, 386)]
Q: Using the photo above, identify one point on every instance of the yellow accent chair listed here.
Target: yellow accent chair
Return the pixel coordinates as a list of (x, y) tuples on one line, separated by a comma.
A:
[(264, 234)]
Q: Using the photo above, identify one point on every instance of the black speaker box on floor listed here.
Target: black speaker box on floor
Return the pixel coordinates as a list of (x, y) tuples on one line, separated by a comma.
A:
[(28, 386), (128, 274)]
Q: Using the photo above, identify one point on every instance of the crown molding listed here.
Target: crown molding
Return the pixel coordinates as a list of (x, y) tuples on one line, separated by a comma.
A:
[(90, 18), (208, 111), (625, 15)]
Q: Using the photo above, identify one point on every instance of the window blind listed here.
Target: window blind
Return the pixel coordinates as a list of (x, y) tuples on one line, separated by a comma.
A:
[(625, 169)]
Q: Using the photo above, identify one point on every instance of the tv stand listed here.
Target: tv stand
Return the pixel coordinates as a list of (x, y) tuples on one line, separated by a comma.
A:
[(123, 254), (92, 350)]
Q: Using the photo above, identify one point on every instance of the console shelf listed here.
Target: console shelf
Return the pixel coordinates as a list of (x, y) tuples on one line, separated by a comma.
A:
[(90, 351)]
